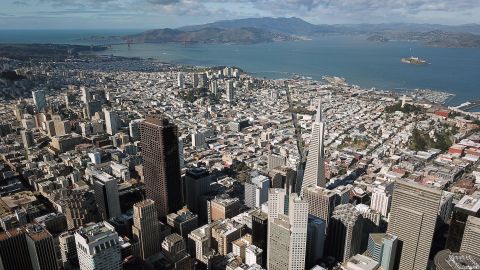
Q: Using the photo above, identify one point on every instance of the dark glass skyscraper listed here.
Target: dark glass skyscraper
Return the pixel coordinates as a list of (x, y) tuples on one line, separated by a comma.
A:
[(161, 165)]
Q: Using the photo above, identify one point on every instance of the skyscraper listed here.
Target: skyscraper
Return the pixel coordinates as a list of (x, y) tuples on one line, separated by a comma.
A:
[(315, 167), (106, 195), (41, 248), (382, 198), (39, 100), (469, 205), (111, 121), (256, 191), (197, 183), (146, 229), (321, 202), (471, 237), (27, 138), (383, 249), (287, 231), (315, 240), (14, 253), (413, 218), (161, 165), (180, 80), (230, 91), (344, 232), (98, 247), (260, 233)]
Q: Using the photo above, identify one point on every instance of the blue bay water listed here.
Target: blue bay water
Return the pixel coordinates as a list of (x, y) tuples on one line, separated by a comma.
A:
[(368, 64)]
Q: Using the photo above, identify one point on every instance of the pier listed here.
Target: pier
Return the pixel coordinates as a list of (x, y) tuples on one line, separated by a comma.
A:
[(469, 105)]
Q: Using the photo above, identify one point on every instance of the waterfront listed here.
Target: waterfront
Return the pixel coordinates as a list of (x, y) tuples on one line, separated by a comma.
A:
[(361, 62)]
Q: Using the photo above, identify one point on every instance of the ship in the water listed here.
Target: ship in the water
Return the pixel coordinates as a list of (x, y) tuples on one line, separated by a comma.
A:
[(414, 61)]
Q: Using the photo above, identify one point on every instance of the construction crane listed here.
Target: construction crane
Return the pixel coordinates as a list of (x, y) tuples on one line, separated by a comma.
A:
[(298, 139)]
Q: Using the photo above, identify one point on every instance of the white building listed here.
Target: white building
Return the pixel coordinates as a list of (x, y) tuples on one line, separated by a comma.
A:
[(98, 247), (180, 80), (315, 167), (111, 121), (198, 139), (256, 191), (382, 198)]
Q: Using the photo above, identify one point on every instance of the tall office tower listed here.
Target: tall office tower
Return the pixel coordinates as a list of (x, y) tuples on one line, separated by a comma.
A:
[(79, 207), (275, 161), (92, 107), (230, 91), (287, 233), (98, 247), (198, 140), (161, 165), (223, 207), (196, 80), (14, 254), (214, 87), (173, 244), (256, 191), (283, 177), (111, 121), (68, 250), (382, 198), (315, 167), (62, 127), (180, 80), (321, 202), (106, 195), (86, 97), (183, 222), (39, 100), (197, 183), (315, 240), (50, 128), (344, 231), (469, 205), (412, 219), (471, 237), (224, 233), (146, 228), (200, 242), (260, 233), (134, 129), (382, 248), (27, 138), (181, 153), (41, 248)]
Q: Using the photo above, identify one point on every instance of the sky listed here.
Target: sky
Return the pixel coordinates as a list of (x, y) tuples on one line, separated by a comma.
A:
[(150, 14)]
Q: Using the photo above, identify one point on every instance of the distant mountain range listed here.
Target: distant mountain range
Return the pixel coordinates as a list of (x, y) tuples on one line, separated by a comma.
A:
[(256, 30)]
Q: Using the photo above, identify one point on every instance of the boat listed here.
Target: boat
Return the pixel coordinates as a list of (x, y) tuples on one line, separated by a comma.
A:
[(414, 61)]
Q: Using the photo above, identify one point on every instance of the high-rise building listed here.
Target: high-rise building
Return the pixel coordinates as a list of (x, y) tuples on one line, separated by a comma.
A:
[(315, 167), (224, 233), (106, 195), (198, 140), (321, 202), (275, 161), (92, 107), (146, 229), (469, 205), (283, 177), (39, 100), (256, 191), (27, 138), (41, 248), (382, 198), (223, 207), (180, 80), (260, 233), (382, 248), (344, 233), (471, 237), (134, 129), (412, 219), (214, 87), (230, 91), (14, 254), (315, 240), (200, 242), (197, 183), (98, 247), (183, 222), (287, 236), (68, 250), (111, 122), (161, 165)]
